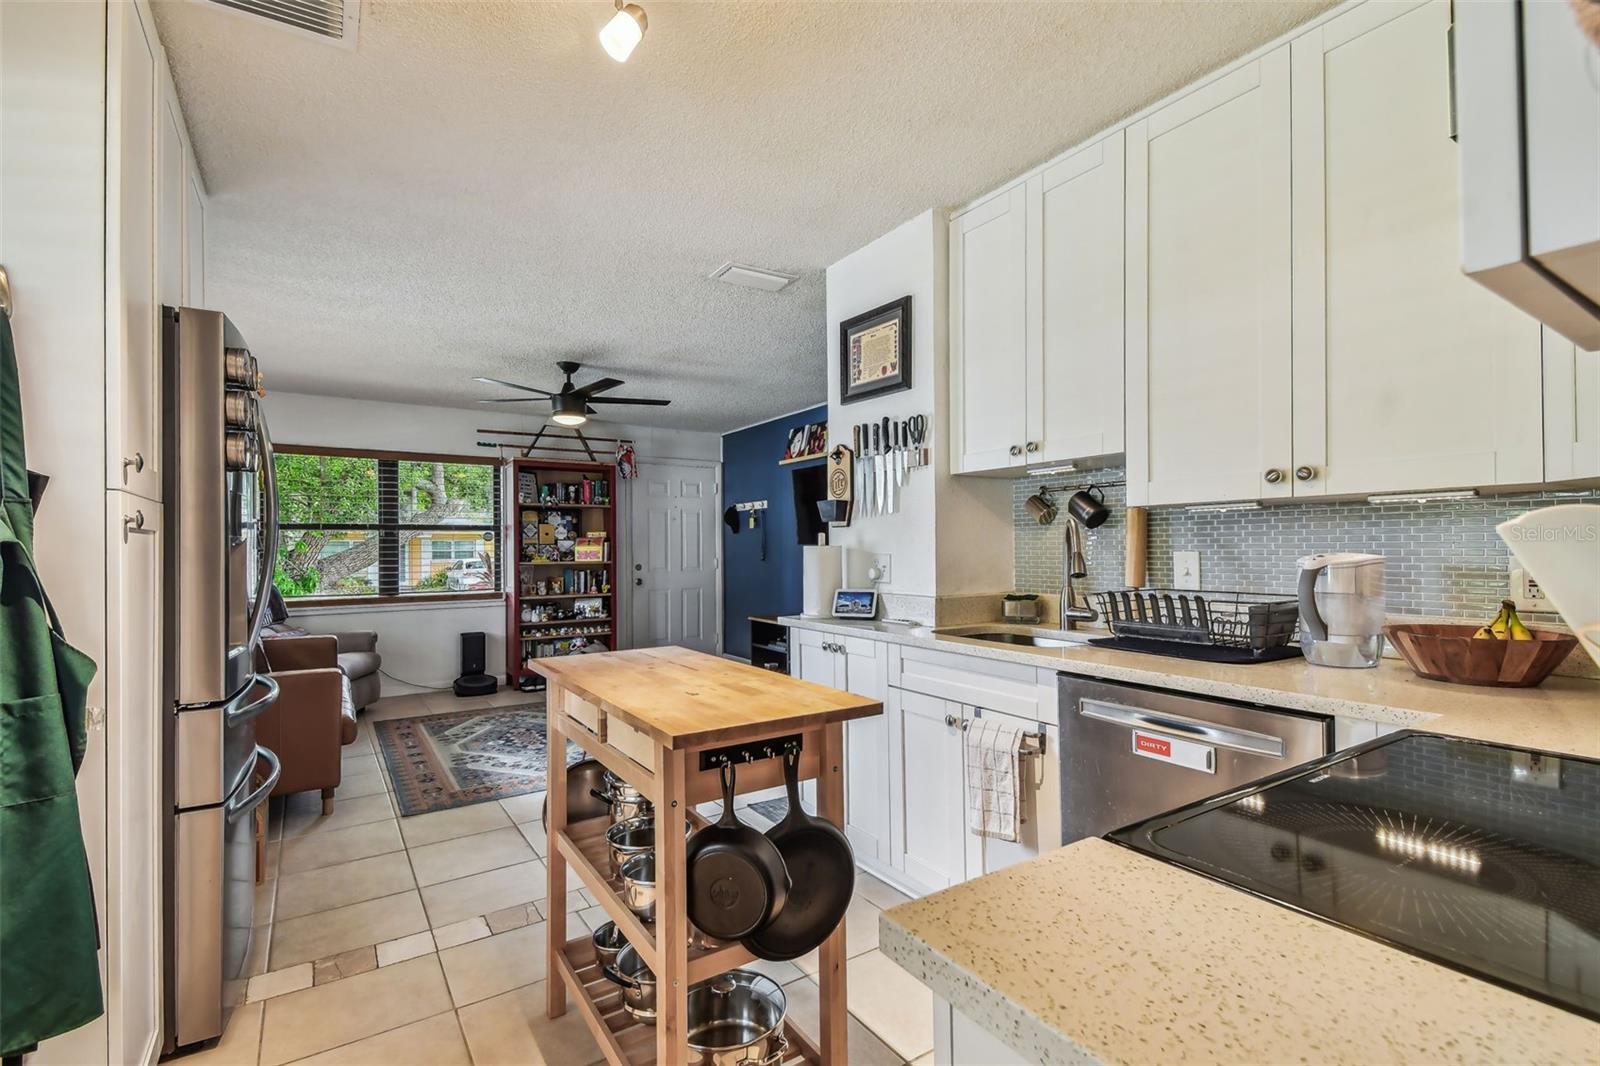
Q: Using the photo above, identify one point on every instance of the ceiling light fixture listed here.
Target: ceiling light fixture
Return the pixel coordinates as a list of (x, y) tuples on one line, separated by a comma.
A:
[(1423, 497), (568, 410), (624, 32)]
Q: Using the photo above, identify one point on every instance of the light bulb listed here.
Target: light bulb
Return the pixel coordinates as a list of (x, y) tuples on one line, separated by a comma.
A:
[(624, 32), (569, 418)]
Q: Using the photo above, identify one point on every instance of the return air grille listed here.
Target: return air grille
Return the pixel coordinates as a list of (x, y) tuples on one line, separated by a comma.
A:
[(334, 20)]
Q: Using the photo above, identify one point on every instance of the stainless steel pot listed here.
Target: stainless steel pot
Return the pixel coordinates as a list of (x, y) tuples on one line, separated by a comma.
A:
[(608, 943), (627, 839), (639, 885), (637, 982), (627, 802), (737, 1018)]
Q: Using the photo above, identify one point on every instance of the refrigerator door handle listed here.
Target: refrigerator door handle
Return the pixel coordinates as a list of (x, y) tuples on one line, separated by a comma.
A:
[(1188, 728), (238, 808), (243, 712), (269, 526)]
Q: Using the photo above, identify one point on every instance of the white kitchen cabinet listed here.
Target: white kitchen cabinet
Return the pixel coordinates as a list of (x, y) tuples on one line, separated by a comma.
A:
[(960, 1041), (1571, 410), (988, 333), (194, 237), (1407, 374), (1075, 282), (1039, 802), (929, 807), (856, 665), (134, 739), (133, 351), (172, 179), (1207, 299)]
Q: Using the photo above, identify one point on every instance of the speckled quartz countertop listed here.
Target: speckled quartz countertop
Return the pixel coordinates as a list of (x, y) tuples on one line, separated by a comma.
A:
[(1561, 715), (1095, 953)]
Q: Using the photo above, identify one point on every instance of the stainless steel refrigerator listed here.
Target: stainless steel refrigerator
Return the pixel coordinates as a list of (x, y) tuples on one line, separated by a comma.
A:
[(221, 509)]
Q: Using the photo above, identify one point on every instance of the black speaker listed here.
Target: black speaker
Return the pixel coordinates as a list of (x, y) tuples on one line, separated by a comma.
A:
[(473, 680)]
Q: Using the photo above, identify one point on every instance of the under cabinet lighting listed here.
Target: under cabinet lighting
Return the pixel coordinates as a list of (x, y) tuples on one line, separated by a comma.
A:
[(1423, 497), (1246, 505), (1064, 468)]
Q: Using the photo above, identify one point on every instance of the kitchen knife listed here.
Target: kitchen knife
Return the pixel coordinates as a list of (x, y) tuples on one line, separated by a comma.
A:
[(855, 467), (883, 470), (888, 474), (870, 433), (901, 436), (879, 467)]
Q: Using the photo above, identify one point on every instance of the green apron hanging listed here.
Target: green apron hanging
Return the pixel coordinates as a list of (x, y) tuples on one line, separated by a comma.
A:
[(49, 969)]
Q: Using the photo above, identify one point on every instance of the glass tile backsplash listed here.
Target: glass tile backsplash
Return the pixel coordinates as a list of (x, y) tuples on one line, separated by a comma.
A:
[(1443, 559)]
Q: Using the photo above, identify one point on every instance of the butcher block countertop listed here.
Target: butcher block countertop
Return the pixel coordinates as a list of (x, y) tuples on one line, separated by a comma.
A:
[(688, 699), (1096, 953)]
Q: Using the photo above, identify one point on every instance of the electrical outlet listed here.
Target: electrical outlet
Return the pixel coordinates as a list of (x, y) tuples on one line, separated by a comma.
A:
[(1186, 570), (1526, 593), (878, 569)]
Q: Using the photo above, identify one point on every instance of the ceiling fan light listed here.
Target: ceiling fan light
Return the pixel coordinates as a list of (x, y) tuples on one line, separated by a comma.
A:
[(568, 410), (624, 32)]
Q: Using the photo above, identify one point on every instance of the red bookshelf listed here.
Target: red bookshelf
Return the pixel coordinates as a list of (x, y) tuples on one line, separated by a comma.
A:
[(555, 604)]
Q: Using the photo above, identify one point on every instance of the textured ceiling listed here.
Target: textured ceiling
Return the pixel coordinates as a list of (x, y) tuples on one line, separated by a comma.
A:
[(478, 189)]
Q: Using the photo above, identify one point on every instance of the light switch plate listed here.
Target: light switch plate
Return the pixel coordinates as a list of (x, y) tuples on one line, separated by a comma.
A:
[(1186, 570)]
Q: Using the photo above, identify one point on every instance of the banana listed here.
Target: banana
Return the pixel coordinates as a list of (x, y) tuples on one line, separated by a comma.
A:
[(1514, 626), (1484, 633), (1498, 629)]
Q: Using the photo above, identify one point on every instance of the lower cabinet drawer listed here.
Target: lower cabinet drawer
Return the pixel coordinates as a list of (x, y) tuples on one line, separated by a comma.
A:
[(976, 681)]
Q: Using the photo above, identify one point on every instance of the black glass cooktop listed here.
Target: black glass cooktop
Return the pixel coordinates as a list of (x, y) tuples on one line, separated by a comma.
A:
[(1477, 856)]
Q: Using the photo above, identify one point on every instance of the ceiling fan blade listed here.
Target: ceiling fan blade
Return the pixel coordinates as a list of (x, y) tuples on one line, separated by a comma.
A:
[(515, 399), (598, 386), (514, 385), (621, 399)]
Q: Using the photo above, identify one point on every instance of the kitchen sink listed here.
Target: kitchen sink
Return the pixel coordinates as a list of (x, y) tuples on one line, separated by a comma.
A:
[(1031, 640)]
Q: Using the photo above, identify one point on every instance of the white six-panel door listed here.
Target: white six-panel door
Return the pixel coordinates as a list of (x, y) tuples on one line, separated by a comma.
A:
[(676, 548), (1208, 258), (1408, 375)]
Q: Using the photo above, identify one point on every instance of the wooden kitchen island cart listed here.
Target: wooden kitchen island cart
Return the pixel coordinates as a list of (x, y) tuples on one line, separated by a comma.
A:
[(662, 719)]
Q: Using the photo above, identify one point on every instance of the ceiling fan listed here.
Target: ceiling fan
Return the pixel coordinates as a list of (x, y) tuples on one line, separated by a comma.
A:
[(570, 406)]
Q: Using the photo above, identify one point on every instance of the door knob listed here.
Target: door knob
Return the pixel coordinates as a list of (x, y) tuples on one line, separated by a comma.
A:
[(1016, 449), (1273, 476), (1304, 473), (638, 581)]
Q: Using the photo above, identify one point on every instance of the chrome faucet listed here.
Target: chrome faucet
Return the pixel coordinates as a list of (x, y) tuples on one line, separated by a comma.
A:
[(1073, 567)]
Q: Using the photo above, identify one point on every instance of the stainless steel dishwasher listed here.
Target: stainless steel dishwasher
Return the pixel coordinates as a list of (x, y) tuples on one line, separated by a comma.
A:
[(1129, 752)]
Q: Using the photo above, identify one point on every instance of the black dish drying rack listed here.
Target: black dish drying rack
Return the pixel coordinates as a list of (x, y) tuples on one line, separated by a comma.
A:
[(1255, 622)]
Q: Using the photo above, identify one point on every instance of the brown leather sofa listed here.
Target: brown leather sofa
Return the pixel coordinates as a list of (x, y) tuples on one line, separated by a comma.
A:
[(357, 654), (314, 716)]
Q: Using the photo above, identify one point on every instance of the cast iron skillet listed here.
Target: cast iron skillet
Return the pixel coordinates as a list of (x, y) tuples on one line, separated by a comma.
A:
[(824, 871), (737, 880)]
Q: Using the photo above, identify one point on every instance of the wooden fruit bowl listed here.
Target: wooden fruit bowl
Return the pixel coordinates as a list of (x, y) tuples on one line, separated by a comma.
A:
[(1449, 653)]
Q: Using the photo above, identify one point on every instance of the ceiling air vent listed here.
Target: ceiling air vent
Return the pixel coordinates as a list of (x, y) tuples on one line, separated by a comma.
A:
[(751, 277), (327, 20)]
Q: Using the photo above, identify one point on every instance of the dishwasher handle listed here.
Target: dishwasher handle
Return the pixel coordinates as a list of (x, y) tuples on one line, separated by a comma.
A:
[(1188, 728)]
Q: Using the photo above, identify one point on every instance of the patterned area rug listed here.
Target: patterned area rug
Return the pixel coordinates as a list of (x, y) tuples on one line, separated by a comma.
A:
[(440, 761)]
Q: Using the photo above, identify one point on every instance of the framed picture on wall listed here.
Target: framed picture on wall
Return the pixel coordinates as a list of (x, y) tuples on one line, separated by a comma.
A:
[(875, 352)]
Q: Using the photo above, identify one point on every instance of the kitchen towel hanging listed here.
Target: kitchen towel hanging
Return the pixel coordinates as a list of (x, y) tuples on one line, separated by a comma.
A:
[(49, 940), (994, 777)]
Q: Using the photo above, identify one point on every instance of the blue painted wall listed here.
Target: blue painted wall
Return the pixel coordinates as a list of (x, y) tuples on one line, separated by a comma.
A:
[(750, 471)]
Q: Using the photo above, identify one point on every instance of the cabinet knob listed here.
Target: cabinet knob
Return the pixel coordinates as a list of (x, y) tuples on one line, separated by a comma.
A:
[(137, 462), (950, 720), (134, 523), (1304, 473), (1273, 476), (1016, 449), (1033, 446)]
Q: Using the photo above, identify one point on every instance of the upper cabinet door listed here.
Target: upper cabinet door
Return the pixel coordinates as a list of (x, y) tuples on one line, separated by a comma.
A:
[(194, 236), (133, 356), (1408, 375), (1208, 331), (1075, 266), (988, 333), (172, 180), (1571, 410)]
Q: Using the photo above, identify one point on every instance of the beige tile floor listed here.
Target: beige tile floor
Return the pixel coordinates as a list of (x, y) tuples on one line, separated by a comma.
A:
[(393, 940)]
